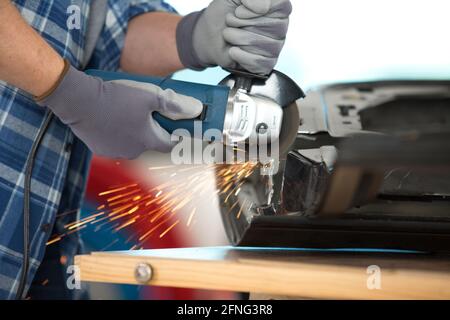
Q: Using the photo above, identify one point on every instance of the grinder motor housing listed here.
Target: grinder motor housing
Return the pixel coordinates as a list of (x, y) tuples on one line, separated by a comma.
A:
[(240, 113)]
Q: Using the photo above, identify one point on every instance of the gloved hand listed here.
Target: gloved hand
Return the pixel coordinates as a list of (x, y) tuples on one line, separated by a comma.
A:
[(235, 33), (114, 118)]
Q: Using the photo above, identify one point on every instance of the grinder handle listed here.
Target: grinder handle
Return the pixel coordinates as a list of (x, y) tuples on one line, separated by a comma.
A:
[(214, 99), (244, 79)]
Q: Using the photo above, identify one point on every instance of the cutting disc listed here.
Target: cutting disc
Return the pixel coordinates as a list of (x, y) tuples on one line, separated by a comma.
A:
[(289, 129)]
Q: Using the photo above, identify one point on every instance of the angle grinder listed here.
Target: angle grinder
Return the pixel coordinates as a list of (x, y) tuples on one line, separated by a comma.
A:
[(244, 107)]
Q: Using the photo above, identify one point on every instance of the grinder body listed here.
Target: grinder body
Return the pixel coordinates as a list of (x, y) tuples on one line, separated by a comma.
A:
[(214, 99), (241, 107)]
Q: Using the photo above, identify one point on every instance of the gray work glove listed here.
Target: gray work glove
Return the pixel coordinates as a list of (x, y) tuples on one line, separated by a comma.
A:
[(234, 34), (114, 118)]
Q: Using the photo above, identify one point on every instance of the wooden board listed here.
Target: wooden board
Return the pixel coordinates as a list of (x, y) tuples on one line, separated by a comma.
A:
[(298, 273)]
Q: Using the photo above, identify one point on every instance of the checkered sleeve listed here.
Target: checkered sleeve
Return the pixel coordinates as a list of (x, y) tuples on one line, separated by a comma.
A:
[(107, 52)]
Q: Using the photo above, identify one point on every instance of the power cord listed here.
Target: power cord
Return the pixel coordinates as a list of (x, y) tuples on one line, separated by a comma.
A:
[(26, 203)]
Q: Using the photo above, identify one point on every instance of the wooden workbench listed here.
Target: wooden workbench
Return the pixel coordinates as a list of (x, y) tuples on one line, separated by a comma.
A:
[(279, 272)]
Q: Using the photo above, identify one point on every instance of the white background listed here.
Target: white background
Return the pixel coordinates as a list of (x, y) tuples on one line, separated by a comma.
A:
[(345, 40)]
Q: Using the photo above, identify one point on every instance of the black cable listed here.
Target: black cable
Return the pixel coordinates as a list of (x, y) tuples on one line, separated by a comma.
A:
[(26, 203)]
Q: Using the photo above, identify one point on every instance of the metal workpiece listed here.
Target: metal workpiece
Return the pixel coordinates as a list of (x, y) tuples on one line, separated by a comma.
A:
[(369, 168), (305, 180), (376, 107)]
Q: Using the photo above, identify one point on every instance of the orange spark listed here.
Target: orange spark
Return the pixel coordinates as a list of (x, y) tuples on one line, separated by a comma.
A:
[(191, 216), (123, 195), (53, 241), (128, 205), (117, 189), (168, 229)]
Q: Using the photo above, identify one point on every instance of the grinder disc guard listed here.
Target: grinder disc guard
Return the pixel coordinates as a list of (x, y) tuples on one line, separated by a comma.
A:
[(289, 128)]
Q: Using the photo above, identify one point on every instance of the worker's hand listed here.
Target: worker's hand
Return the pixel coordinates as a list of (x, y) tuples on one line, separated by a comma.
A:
[(115, 119), (234, 34)]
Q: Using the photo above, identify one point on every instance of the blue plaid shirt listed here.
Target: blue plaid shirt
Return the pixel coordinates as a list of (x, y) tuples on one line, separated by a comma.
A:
[(62, 163)]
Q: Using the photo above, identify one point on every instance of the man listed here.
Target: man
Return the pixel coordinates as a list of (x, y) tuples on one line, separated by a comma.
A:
[(41, 54)]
